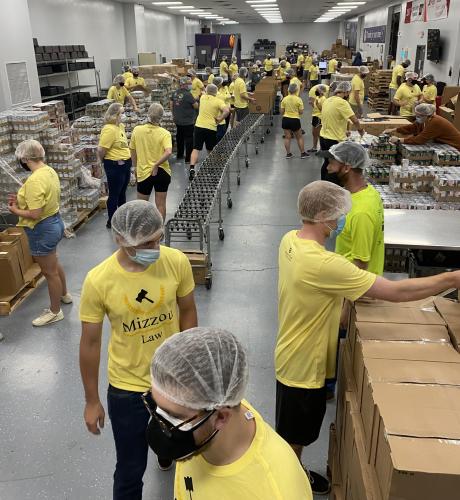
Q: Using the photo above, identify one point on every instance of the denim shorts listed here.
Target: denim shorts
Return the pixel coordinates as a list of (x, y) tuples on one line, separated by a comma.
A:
[(45, 236)]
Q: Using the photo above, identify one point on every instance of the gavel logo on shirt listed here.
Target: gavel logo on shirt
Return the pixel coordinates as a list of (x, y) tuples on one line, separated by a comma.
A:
[(143, 295)]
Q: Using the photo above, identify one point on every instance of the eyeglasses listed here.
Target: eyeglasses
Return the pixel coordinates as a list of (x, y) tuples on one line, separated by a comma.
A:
[(167, 422)]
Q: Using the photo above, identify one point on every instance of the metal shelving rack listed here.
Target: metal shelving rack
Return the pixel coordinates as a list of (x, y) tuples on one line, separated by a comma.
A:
[(71, 88)]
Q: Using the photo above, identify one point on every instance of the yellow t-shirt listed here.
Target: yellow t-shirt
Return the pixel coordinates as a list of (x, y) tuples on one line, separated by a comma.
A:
[(232, 69), (223, 70), (332, 65), (430, 92), (127, 74), (268, 65), (113, 138), (210, 108), (40, 190), (282, 73), (314, 72), (238, 89), (409, 94), (357, 83), (197, 87), (300, 60), (398, 70), (210, 79), (312, 285), (118, 95), (312, 91), (137, 328), (150, 142), (334, 116), (268, 470), (362, 236), (308, 62), (295, 80), (133, 82), (224, 95), (292, 104), (316, 111)]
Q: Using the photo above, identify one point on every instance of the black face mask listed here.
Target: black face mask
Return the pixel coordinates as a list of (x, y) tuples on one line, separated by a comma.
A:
[(169, 442), (317, 93), (135, 75), (346, 97), (24, 165), (122, 84)]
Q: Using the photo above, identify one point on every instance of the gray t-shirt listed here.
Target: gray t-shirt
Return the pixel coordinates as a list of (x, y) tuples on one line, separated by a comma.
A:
[(183, 110)]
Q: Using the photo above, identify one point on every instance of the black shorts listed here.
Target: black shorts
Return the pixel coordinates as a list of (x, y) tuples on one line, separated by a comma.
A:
[(270, 73), (159, 182), (299, 413), (241, 113), (203, 136), (292, 124), (315, 121), (314, 82)]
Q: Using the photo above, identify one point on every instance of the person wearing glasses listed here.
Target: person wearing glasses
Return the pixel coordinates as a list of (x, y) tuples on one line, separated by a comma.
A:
[(222, 445), (146, 291)]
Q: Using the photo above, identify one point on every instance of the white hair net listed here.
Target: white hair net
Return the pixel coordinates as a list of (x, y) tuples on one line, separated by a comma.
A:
[(364, 70), (211, 89), (243, 72), (30, 149), (218, 81), (155, 112), (292, 89), (342, 87), (410, 75), (118, 79), (429, 78), (201, 368), (322, 201), (350, 153), (425, 109), (136, 223)]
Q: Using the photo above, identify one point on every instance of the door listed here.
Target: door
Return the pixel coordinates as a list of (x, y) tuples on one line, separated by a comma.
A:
[(420, 59), (204, 55), (393, 45)]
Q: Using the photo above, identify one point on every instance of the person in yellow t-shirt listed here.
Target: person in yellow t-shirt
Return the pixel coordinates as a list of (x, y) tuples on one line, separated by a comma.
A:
[(114, 153), (291, 109), (151, 146), (210, 75), (336, 114), (119, 93), (282, 71), (223, 70), (306, 72), (212, 111), (313, 75), (197, 84), (127, 72), (317, 95), (268, 65), (136, 82), (429, 91), (407, 96), (233, 68), (225, 446), (332, 65), (241, 95), (37, 206), (300, 64), (311, 288), (357, 91), (224, 95), (397, 78), (146, 292)]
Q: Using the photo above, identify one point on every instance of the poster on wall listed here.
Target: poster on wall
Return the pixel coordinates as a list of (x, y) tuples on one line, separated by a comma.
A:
[(436, 9), (415, 11), (375, 34)]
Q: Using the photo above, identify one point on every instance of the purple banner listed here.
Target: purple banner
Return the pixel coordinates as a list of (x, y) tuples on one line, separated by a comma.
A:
[(375, 34)]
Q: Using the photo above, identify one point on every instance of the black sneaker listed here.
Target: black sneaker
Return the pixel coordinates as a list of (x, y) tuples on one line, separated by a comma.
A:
[(304, 155), (164, 463), (319, 484), (108, 225), (312, 150), (303, 132), (191, 174), (289, 156)]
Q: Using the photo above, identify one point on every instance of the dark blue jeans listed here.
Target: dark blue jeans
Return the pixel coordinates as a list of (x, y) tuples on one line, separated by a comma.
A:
[(117, 179), (129, 418)]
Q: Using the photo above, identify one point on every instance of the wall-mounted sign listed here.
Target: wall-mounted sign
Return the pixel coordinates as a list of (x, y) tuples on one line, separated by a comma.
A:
[(375, 34), (415, 11), (436, 9)]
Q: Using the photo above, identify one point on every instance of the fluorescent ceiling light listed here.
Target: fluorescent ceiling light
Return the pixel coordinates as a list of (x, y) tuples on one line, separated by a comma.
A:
[(187, 10), (255, 5), (177, 7), (259, 1), (166, 3), (351, 3)]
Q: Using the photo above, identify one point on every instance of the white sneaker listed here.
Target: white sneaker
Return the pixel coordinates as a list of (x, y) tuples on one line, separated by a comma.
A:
[(48, 317), (67, 298)]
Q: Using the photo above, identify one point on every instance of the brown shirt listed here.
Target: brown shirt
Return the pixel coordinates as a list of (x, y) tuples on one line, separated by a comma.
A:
[(435, 129)]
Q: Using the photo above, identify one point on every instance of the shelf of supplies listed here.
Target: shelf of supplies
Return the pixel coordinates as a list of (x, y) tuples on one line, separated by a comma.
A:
[(63, 73), (63, 61), (68, 92)]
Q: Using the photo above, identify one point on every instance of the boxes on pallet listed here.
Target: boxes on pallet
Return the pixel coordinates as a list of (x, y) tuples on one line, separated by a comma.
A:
[(26, 257), (10, 269), (200, 265), (450, 311)]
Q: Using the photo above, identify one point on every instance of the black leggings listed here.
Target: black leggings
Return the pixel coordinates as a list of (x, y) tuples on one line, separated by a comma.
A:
[(184, 138), (327, 144)]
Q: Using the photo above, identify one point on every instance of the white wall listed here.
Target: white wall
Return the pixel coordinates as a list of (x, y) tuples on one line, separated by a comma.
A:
[(192, 27), (165, 34), (319, 36), (17, 46), (97, 24)]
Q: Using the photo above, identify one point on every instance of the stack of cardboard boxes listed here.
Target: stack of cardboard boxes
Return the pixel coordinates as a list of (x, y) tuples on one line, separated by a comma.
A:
[(339, 50), (265, 94), (450, 105), (397, 432)]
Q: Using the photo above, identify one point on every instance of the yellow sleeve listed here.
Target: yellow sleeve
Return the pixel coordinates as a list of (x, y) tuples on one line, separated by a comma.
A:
[(283, 104), (362, 235), (125, 92), (111, 93), (167, 141), (301, 106), (187, 283), (142, 81), (92, 308), (35, 193), (399, 93), (107, 137), (132, 144), (400, 71), (129, 83), (346, 110)]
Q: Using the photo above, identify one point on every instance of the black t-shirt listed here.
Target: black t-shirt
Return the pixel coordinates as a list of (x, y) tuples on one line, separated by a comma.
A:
[(183, 110)]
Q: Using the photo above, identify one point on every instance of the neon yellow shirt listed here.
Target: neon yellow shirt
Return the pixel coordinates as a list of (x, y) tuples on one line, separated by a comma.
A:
[(40, 190), (150, 142), (295, 80), (282, 73), (240, 89), (430, 92), (335, 115), (232, 69), (316, 111), (127, 74), (113, 138), (118, 94), (223, 70), (314, 72), (357, 83), (409, 94), (268, 65), (137, 328), (197, 87), (210, 108), (308, 62), (210, 79), (292, 104), (362, 236), (300, 60), (134, 82), (268, 470), (224, 95), (398, 70), (312, 285), (332, 65), (312, 91)]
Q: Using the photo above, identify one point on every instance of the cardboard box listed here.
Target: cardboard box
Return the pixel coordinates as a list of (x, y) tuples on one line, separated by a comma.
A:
[(24, 243), (264, 102), (336, 493), (450, 107), (450, 311), (10, 270), (377, 127), (147, 58), (200, 265), (333, 458)]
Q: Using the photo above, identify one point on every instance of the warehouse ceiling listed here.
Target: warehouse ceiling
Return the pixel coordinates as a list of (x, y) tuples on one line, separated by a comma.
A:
[(242, 11)]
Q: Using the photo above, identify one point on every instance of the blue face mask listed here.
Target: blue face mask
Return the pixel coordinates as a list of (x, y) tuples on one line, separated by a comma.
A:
[(420, 119), (340, 225), (145, 256)]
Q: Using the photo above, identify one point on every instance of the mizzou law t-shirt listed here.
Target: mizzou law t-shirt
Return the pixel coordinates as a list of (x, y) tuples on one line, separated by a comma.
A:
[(142, 309)]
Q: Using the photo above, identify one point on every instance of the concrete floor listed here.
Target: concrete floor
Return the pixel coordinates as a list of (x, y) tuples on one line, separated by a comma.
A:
[(46, 451)]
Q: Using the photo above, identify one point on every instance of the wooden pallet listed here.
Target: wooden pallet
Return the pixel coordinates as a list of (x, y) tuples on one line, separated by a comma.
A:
[(33, 279), (85, 216)]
